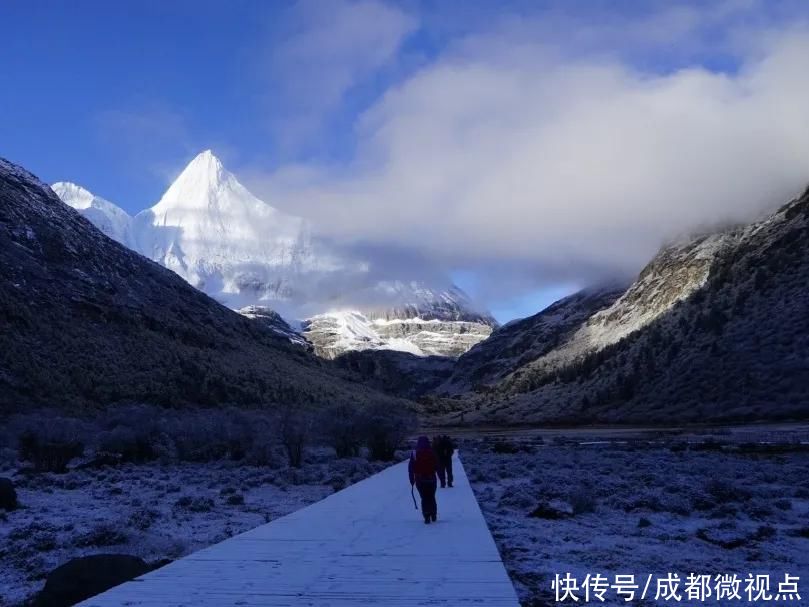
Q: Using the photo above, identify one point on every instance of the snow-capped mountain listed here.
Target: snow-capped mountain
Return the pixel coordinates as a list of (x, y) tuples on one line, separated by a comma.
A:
[(107, 217), (212, 231), (336, 333), (417, 320)]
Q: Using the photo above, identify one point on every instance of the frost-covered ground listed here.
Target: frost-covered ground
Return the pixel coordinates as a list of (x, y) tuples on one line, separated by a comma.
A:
[(644, 505), (153, 511)]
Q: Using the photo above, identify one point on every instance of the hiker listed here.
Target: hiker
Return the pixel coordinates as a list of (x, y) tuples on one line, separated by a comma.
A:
[(444, 448), (422, 473)]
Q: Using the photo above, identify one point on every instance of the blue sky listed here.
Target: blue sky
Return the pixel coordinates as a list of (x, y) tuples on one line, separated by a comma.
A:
[(321, 107), (111, 95)]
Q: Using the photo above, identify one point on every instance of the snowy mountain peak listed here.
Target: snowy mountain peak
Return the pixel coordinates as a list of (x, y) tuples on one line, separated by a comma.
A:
[(205, 165), (212, 231), (106, 216), (203, 184), (74, 195)]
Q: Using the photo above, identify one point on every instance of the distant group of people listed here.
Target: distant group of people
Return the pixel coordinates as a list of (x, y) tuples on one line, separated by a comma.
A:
[(429, 464)]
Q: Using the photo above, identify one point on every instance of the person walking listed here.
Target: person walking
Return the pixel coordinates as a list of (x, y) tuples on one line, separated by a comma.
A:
[(422, 472), (444, 448)]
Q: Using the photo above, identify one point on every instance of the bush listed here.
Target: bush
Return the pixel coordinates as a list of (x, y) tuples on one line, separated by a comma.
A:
[(518, 496), (143, 518), (50, 445), (504, 447), (385, 429), (237, 499), (341, 428), (211, 435), (723, 492), (127, 444), (194, 504), (104, 534), (583, 500), (144, 433)]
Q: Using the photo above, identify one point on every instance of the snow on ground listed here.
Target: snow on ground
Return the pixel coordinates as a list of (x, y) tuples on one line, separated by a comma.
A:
[(636, 506), (153, 511)]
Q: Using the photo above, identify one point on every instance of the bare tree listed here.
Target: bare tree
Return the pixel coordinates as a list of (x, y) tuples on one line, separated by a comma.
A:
[(295, 427), (341, 427), (385, 429)]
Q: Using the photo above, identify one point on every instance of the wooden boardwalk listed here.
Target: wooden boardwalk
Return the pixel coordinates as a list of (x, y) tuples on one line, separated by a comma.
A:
[(365, 545)]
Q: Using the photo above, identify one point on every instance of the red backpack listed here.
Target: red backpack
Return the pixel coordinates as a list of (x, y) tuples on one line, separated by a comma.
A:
[(423, 464)]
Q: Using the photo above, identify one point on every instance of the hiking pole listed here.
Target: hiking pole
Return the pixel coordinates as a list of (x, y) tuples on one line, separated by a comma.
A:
[(414, 497)]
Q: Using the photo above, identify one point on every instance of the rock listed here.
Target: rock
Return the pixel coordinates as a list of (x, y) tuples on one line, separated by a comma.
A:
[(8, 495), (237, 499), (728, 539), (87, 576), (552, 510)]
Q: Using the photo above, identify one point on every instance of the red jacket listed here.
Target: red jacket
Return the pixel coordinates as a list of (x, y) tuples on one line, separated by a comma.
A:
[(422, 466)]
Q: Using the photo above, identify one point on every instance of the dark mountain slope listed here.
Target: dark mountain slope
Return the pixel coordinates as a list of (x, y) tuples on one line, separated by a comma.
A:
[(522, 341), (716, 329), (398, 373), (87, 322)]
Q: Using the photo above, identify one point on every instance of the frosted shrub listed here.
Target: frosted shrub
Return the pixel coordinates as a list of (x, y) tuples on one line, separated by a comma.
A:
[(143, 518), (722, 492), (505, 447), (583, 500), (519, 496), (104, 534), (194, 503)]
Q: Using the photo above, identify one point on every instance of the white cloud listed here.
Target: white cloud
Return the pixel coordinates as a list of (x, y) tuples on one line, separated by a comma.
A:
[(506, 152), (325, 49)]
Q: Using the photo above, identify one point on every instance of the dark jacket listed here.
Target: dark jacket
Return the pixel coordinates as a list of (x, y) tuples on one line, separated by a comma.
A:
[(444, 447)]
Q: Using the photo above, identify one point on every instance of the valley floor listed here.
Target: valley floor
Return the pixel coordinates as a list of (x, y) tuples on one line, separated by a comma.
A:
[(644, 504), (157, 512), (581, 501)]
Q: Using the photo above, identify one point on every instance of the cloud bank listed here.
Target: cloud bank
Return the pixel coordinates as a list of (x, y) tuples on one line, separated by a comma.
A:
[(562, 154)]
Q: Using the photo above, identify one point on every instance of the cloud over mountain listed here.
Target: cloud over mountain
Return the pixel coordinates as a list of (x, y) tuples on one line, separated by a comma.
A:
[(569, 160)]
